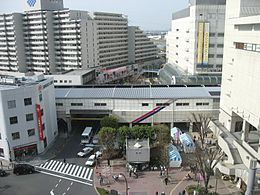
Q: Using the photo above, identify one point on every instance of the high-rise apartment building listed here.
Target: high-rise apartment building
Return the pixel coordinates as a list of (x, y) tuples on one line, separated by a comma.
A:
[(49, 38), (238, 128), (196, 40)]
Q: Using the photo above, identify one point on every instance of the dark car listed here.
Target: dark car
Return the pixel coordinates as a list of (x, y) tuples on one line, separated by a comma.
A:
[(2, 173), (23, 169)]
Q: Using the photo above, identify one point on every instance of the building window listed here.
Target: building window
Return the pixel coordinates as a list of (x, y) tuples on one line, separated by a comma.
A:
[(177, 37), (212, 34), (42, 113), (76, 104), (177, 29), (11, 104), (220, 34), (40, 97), (145, 104), (65, 81), (219, 55), (29, 117), (177, 45), (27, 101), (100, 104), (15, 135), (211, 45), (162, 104), (55, 81), (43, 126), (182, 104), (2, 152), (177, 54), (31, 132), (202, 104), (211, 55), (0, 136), (220, 45), (61, 81), (13, 120), (70, 81), (59, 104)]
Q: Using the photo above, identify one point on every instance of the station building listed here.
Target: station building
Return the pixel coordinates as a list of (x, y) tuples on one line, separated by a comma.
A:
[(137, 104)]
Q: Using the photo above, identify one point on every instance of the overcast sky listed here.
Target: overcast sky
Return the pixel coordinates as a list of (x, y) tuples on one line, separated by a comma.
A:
[(148, 14)]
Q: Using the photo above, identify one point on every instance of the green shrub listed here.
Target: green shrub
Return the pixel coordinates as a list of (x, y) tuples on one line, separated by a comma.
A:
[(102, 191)]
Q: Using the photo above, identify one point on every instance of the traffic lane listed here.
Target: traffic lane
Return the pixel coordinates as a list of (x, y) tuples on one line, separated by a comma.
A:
[(40, 184)]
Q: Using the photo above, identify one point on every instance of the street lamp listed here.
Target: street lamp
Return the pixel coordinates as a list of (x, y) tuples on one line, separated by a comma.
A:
[(126, 184)]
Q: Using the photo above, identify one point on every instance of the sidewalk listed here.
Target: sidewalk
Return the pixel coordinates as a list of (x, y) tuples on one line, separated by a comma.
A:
[(150, 182), (50, 153), (147, 183)]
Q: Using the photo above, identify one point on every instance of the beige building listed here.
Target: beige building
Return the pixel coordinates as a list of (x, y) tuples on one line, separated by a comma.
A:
[(239, 120)]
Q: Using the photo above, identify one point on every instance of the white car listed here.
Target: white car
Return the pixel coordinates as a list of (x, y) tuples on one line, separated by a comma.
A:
[(91, 160), (85, 151), (98, 154)]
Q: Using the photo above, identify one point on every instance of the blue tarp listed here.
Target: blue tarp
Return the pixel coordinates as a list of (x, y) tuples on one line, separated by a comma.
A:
[(187, 143), (174, 156), (175, 133)]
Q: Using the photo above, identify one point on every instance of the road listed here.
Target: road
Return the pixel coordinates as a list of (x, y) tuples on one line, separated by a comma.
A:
[(55, 177)]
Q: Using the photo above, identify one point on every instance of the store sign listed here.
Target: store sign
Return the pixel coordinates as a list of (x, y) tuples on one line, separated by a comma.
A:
[(206, 44), (31, 3), (200, 42), (39, 120)]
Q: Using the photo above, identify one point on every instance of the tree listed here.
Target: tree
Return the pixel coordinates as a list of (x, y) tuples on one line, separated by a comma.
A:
[(122, 134), (163, 141), (141, 132), (108, 137), (109, 121), (206, 156), (201, 125)]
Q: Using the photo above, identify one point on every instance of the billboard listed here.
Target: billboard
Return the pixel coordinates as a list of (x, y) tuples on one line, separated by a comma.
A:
[(206, 44), (39, 121), (200, 42)]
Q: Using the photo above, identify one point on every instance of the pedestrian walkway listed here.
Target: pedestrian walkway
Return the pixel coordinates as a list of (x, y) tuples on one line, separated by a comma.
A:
[(77, 171)]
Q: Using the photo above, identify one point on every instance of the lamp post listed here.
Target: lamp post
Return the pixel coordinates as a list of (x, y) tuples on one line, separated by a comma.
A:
[(126, 184)]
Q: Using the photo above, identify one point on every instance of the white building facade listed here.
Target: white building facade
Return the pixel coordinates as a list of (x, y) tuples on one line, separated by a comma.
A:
[(49, 38), (27, 116), (128, 103), (196, 40), (239, 122)]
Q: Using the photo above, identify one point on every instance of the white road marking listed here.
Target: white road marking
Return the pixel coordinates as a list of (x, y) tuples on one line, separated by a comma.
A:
[(56, 185), (71, 183), (51, 192), (66, 178), (90, 174), (68, 188), (59, 180)]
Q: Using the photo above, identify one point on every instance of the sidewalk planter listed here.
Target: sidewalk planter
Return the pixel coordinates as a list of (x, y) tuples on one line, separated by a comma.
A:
[(102, 191)]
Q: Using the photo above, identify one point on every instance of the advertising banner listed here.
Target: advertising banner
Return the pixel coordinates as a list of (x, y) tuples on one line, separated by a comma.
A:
[(206, 44), (200, 42), (39, 120)]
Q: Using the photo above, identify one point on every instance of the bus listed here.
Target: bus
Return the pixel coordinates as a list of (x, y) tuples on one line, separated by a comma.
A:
[(86, 135)]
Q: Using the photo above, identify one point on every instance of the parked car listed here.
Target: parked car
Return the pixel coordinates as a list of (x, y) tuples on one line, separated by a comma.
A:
[(2, 173), (98, 153), (85, 151), (23, 169), (91, 160), (95, 139)]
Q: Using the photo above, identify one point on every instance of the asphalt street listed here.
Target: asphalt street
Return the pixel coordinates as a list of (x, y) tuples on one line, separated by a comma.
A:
[(55, 177), (42, 184)]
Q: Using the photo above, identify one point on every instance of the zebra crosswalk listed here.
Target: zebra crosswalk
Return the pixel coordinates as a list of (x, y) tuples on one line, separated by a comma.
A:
[(77, 171)]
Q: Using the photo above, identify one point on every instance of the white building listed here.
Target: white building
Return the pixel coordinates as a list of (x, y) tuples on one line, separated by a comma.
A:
[(49, 38), (195, 42), (163, 104), (238, 128), (27, 116)]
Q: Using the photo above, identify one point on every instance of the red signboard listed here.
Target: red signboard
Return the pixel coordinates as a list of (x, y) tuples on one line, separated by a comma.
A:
[(39, 120)]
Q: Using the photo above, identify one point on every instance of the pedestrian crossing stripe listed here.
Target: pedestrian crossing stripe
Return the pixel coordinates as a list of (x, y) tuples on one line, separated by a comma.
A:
[(67, 169)]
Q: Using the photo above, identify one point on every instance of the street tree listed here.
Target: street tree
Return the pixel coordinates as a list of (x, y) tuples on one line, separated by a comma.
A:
[(207, 155), (109, 121), (163, 138), (201, 125), (108, 137)]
